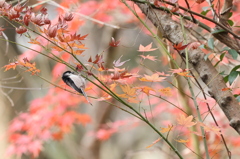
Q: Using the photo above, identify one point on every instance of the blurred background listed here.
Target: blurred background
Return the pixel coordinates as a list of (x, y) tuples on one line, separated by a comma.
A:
[(18, 89), (128, 137)]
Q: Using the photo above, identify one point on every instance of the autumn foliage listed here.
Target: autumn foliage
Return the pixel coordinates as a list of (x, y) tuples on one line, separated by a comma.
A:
[(146, 85)]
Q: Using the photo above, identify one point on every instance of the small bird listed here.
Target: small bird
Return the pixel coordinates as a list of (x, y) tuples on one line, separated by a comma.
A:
[(77, 82)]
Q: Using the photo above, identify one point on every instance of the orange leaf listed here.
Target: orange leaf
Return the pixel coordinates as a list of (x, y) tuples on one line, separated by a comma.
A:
[(213, 128), (122, 95), (185, 121), (182, 141), (78, 37), (128, 90), (31, 67), (34, 41), (166, 91), (64, 38), (81, 46), (153, 78), (146, 48), (169, 128), (146, 90), (184, 74), (154, 143), (83, 118), (57, 48), (113, 86), (58, 135), (11, 65), (133, 100), (78, 52), (226, 89)]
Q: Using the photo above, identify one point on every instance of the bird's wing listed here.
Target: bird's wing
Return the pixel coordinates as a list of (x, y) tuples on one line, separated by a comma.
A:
[(78, 80), (70, 83), (78, 83)]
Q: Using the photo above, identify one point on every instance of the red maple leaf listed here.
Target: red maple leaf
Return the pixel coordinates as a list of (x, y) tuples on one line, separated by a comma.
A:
[(180, 46), (114, 43)]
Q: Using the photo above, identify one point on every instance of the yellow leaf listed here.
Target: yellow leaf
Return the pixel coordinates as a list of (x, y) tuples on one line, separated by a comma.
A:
[(213, 128), (78, 52), (169, 128), (128, 90), (88, 88), (113, 86), (81, 46), (153, 78), (122, 95), (184, 74), (57, 48), (166, 91), (64, 46), (185, 121), (133, 100), (146, 89), (182, 141), (34, 41), (156, 141)]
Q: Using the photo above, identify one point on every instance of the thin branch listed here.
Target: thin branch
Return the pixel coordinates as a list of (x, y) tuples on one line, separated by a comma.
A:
[(192, 12), (193, 19), (210, 111)]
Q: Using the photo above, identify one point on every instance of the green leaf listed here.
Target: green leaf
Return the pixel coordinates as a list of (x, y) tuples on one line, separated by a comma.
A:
[(236, 95), (205, 8), (218, 31), (238, 98), (202, 46), (206, 56), (230, 22), (205, 12), (230, 15), (216, 64), (235, 68), (233, 53), (222, 56), (211, 43), (222, 73), (226, 79), (232, 76), (225, 49)]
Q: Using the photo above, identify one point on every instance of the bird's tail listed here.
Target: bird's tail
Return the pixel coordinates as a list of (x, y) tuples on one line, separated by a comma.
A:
[(85, 95)]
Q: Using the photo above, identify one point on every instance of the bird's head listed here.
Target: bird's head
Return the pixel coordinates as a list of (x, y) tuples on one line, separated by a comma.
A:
[(67, 73)]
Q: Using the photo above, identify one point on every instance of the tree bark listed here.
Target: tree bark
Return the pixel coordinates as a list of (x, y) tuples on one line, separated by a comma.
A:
[(171, 30)]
